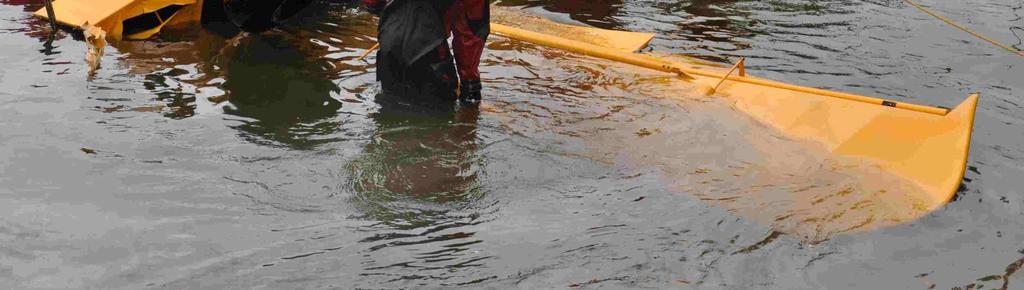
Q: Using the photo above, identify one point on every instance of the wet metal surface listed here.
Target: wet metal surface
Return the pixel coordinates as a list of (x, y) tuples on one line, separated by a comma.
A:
[(205, 161)]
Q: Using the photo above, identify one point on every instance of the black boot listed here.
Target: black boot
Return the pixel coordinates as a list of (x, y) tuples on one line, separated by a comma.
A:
[(470, 94)]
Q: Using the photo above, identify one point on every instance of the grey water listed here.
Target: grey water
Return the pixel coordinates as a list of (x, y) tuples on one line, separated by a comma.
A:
[(200, 160)]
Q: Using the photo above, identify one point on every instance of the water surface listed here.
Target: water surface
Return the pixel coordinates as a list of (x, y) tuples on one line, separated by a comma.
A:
[(202, 160)]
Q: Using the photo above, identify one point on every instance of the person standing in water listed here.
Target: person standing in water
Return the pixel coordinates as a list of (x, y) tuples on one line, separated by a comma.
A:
[(415, 61)]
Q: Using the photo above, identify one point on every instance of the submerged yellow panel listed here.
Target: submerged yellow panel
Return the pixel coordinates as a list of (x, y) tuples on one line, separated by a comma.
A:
[(928, 149), (923, 144), (110, 15)]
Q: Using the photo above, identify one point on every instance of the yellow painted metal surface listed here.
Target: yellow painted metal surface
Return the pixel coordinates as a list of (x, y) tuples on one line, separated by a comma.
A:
[(926, 145), (110, 15), (187, 16)]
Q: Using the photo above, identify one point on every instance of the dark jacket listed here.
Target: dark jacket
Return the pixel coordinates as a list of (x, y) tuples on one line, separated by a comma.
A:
[(413, 61)]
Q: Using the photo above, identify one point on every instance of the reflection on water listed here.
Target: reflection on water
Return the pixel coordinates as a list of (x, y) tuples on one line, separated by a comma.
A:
[(284, 92), (419, 156), (417, 178), (596, 13)]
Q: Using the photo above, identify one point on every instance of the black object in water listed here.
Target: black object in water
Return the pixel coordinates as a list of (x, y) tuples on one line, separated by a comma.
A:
[(261, 15)]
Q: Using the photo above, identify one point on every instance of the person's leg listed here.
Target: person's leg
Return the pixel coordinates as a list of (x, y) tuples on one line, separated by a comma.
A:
[(434, 79), (470, 25), (414, 60)]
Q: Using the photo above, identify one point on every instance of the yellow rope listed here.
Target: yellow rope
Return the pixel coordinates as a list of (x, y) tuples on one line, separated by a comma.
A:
[(368, 51), (978, 35)]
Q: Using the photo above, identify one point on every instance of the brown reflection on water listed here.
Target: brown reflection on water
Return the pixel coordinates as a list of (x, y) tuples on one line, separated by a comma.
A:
[(716, 21), (285, 92), (417, 180), (596, 13), (287, 85), (416, 156)]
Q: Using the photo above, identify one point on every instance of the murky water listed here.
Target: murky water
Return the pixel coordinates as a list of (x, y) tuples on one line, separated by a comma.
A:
[(204, 161)]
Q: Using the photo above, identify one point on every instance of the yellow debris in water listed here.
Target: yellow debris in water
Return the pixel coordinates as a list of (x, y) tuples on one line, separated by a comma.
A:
[(131, 19), (922, 145), (96, 40)]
